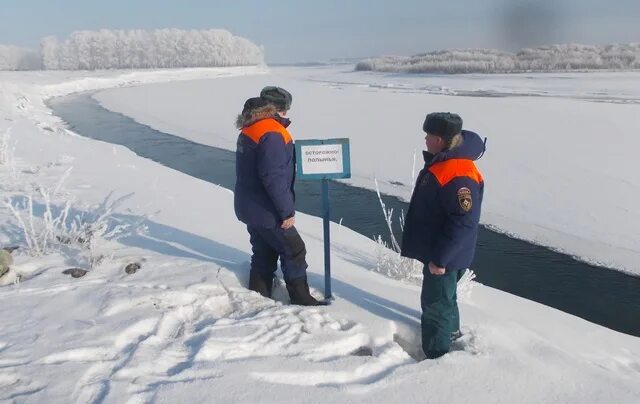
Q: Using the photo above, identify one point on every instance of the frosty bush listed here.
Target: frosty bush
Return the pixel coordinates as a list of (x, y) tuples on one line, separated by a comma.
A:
[(388, 259), (542, 59), (134, 49), (40, 234), (6, 150), (61, 226), (7, 154), (90, 230), (465, 286)]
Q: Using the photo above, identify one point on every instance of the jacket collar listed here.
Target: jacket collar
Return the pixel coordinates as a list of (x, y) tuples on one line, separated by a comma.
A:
[(282, 120), (472, 148)]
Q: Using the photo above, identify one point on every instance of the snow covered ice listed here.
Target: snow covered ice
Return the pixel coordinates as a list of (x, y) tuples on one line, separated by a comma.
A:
[(183, 328)]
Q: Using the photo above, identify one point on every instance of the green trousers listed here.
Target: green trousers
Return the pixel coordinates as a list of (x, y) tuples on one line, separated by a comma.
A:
[(440, 315)]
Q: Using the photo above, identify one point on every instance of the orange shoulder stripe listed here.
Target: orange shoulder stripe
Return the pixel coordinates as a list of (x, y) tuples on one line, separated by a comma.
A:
[(256, 131), (448, 170)]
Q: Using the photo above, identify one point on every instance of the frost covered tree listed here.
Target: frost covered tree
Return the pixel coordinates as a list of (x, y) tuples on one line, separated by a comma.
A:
[(541, 59), (50, 52), (136, 49), (16, 58)]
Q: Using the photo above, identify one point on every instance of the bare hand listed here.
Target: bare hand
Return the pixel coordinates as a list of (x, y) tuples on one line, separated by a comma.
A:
[(436, 270), (288, 223)]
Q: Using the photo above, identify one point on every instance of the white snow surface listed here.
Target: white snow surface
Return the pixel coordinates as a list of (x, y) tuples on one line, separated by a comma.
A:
[(560, 169), (185, 329)]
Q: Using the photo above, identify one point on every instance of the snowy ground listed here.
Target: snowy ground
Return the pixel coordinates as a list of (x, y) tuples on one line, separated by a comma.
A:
[(184, 329), (560, 168)]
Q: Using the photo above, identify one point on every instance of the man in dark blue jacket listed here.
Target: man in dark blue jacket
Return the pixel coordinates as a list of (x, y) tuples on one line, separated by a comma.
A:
[(264, 196), (441, 227)]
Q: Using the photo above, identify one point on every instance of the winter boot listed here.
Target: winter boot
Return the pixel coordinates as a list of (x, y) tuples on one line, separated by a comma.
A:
[(456, 335), (258, 283), (435, 354), (299, 293)]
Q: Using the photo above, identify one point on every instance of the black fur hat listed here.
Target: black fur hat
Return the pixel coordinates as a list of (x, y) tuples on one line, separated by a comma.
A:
[(443, 124), (277, 96), (253, 103)]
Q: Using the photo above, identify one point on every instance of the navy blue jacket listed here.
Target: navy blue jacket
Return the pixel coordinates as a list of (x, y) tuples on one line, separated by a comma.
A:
[(442, 222), (265, 173)]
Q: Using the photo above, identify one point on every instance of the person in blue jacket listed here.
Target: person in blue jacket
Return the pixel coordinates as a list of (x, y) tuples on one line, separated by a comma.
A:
[(264, 196), (441, 226)]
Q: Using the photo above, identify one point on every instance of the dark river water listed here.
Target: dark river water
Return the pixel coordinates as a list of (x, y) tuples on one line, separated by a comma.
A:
[(600, 295)]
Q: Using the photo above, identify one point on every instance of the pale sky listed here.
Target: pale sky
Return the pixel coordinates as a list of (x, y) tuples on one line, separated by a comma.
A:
[(304, 31)]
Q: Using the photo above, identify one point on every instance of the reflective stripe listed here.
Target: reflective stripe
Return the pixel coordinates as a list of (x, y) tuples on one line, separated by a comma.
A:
[(448, 170), (256, 131)]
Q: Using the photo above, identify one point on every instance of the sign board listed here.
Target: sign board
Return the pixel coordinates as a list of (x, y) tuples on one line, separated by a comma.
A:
[(323, 159)]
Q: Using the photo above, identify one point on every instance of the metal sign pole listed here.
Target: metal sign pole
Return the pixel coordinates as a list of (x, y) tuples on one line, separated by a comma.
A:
[(322, 160), (326, 214)]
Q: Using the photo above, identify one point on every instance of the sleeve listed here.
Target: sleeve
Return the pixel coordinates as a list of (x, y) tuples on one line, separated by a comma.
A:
[(272, 163), (458, 200)]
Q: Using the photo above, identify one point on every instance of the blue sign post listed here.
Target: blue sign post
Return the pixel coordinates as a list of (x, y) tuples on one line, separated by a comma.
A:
[(324, 160)]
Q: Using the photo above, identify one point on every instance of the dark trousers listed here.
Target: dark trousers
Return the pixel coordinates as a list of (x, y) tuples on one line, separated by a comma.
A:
[(440, 315), (269, 244)]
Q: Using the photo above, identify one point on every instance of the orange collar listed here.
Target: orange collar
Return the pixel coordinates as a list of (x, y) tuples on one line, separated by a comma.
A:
[(257, 130)]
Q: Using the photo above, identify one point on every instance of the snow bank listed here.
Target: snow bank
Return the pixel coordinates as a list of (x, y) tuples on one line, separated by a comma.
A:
[(184, 329), (550, 58)]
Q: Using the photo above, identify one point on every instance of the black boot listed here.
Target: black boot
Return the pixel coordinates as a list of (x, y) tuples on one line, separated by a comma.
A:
[(434, 354), (258, 283), (299, 293)]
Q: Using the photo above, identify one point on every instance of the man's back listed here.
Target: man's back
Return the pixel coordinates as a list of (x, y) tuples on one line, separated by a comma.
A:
[(265, 172)]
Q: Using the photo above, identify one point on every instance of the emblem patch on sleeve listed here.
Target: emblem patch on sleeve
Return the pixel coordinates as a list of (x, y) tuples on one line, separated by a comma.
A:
[(464, 199)]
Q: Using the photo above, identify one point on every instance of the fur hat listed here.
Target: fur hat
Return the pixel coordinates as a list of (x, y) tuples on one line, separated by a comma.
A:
[(443, 124), (277, 96), (252, 104), (254, 110)]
